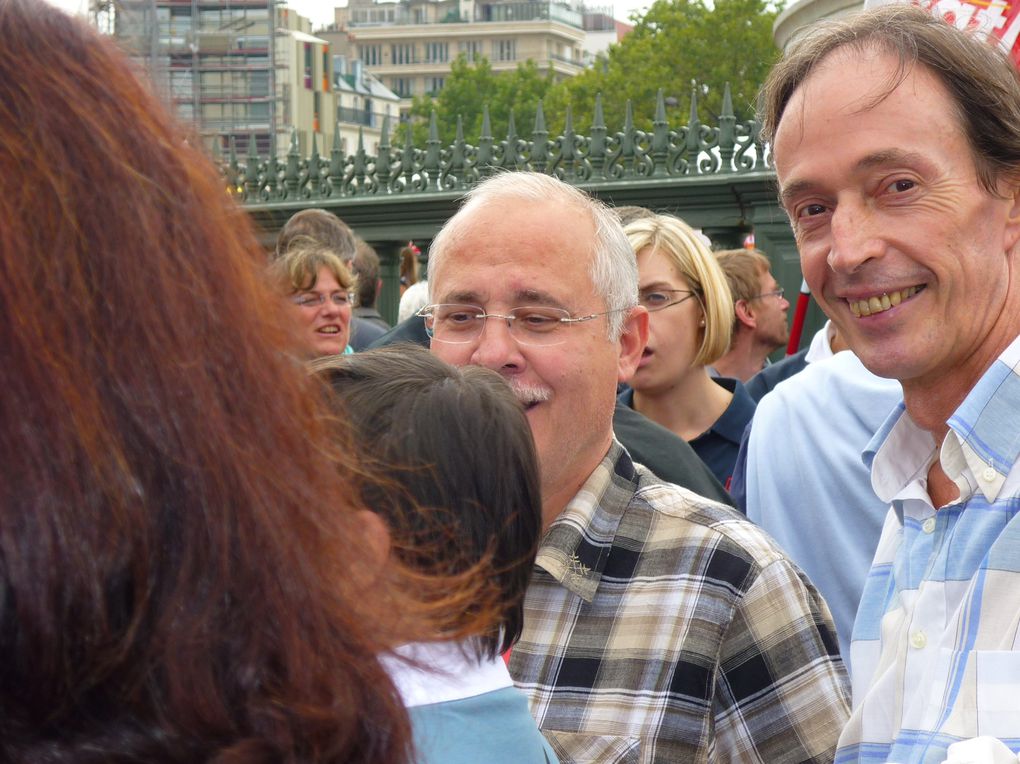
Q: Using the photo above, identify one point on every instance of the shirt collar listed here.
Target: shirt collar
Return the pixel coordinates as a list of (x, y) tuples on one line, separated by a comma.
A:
[(733, 421), (440, 672), (983, 429), (576, 546), (979, 450)]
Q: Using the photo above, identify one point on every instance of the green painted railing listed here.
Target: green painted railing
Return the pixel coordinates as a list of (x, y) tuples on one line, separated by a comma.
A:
[(718, 178), (696, 149)]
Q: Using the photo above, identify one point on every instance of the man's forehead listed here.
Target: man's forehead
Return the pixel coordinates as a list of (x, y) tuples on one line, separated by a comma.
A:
[(829, 103)]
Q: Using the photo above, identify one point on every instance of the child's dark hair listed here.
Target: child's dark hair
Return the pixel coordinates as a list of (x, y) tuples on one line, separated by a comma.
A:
[(454, 463)]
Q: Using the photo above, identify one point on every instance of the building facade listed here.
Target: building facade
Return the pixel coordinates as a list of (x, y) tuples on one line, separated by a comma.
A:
[(246, 69), (410, 44)]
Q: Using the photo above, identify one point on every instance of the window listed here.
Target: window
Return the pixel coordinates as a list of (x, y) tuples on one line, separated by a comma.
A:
[(472, 49), (308, 66), (402, 86), (325, 69), (402, 54), (504, 50), (434, 84), (437, 53), (258, 83), (371, 55)]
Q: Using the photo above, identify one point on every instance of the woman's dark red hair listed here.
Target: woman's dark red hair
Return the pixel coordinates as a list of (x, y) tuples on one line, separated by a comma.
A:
[(181, 575)]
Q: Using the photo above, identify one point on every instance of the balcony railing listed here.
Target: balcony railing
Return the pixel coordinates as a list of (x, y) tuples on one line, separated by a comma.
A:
[(350, 116)]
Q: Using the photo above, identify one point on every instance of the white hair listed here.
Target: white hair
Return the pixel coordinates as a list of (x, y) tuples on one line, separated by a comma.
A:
[(614, 274)]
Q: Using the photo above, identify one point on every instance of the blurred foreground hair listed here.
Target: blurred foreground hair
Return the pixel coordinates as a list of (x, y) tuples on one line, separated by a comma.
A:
[(181, 576)]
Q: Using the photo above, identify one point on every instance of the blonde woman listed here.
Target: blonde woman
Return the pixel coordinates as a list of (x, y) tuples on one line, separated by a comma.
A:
[(690, 320)]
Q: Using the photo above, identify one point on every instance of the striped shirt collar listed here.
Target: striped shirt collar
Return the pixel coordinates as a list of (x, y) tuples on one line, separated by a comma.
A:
[(978, 451)]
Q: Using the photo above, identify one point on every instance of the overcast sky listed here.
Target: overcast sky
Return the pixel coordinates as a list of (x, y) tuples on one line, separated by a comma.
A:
[(321, 11)]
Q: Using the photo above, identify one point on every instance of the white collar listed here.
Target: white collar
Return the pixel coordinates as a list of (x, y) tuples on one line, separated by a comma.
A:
[(439, 672)]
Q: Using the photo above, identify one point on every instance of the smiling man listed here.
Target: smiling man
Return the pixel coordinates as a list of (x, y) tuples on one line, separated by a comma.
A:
[(659, 626), (901, 183)]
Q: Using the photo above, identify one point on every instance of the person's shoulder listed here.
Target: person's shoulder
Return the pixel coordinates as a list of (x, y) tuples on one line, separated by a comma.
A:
[(694, 519), (364, 332), (664, 453), (409, 330), (767, 379)]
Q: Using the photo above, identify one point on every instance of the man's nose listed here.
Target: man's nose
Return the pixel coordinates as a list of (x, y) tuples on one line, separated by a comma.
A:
[(496, 347), (855, 239)]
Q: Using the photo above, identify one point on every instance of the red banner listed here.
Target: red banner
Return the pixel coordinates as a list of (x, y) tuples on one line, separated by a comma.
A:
[(998, 18)]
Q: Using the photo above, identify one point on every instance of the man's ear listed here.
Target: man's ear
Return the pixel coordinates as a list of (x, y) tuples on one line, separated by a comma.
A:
[(1012, 232), (745, 314), (632, 342)]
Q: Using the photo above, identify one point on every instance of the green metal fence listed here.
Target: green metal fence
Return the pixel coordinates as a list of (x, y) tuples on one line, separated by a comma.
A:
[(718, 178)]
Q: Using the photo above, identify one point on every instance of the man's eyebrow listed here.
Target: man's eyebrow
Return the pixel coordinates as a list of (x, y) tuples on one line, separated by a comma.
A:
[(889, 156), (794, 189), (462, 297), (537, 297), (876, 159)]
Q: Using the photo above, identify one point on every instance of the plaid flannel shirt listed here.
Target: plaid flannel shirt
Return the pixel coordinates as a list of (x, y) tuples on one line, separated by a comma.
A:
[(662, 627)]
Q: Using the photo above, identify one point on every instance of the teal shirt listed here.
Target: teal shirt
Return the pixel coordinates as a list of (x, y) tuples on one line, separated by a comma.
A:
[(494, 727)]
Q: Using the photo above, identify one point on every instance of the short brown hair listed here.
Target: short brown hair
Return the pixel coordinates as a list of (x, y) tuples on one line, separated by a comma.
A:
[(979, 77), (324, 227), (298, 268), (365, 267), (744, 269)]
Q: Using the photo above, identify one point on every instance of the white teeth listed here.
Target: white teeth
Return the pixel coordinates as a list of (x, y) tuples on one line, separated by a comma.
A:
[(329, 330), (880, 303)]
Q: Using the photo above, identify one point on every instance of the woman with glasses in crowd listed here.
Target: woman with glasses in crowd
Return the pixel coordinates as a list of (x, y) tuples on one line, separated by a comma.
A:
[(184, 574), (691, 317), (453, 473), (319, 288)]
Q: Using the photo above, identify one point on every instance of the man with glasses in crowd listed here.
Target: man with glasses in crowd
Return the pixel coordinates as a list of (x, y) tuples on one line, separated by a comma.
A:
[(659, 626), (759, 313)]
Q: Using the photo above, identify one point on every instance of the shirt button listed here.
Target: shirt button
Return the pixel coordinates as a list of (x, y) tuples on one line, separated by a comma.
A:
[(928, 525), (918, 640), (988, 474)]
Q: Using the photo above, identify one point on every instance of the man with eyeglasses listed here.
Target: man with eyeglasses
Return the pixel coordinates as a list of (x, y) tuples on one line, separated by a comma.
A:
[(759, 308), (659, 626)]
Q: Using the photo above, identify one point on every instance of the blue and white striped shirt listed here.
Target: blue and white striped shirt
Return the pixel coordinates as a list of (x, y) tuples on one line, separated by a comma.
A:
[(935, 655)]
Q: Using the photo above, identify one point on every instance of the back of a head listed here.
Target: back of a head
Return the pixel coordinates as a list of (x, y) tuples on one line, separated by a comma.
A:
[(628, 213), (459, 476), (408, 265), (366, 271), (324, 227), (172, 516)]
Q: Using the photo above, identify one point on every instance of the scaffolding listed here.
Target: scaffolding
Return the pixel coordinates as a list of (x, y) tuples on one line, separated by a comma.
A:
[(215, 61)]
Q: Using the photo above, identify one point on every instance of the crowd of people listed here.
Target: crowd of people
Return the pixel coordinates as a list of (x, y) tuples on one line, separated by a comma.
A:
[(566, 509)]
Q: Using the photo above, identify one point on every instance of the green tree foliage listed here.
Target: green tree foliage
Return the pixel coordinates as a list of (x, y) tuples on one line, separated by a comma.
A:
[(676, 41), (468, 88)]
